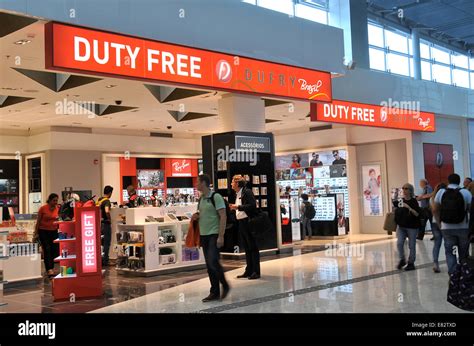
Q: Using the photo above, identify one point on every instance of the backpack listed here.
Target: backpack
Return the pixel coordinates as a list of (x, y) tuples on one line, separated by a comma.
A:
[(461, 285), (453, 209), (230, 216), (309, 211)]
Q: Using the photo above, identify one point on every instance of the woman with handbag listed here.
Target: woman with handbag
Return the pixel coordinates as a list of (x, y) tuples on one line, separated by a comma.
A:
[(407, 218), (46, 231), (246, 207)]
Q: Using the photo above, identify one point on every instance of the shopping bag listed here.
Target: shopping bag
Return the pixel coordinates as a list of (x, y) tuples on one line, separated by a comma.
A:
[(389, 224)]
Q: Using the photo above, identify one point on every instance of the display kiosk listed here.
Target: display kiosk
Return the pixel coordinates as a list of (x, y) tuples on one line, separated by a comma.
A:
[(79, 256)]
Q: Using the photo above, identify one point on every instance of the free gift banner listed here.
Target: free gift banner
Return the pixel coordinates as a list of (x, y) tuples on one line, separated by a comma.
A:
[(89, 242), (76, 49), (371, 115)]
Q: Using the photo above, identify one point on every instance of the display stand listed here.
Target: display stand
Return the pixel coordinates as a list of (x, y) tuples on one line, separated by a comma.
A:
[(82, 242), (139, 243), (3, 256), (260, 175)]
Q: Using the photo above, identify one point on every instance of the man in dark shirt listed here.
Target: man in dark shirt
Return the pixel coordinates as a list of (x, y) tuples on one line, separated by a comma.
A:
[(315, 161), (338, 160), (106, 227)]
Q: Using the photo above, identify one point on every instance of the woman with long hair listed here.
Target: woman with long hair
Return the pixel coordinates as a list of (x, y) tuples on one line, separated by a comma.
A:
[(46, 231)]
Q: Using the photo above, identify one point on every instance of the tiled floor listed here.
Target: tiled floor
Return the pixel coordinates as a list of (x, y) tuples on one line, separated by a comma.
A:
[(320, 281), (311, 280)]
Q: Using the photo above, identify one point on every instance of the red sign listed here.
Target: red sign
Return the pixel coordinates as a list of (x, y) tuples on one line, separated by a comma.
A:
[(181, 168), (370, 115), (76, 49), (89, 233)]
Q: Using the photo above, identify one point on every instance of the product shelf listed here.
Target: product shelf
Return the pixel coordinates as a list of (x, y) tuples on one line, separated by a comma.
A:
[(68, 276), (64, 240), (60, 258)]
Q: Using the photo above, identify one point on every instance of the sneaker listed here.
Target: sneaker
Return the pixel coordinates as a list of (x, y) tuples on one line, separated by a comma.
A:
[(211, 297), (401, 264), (410, 266)]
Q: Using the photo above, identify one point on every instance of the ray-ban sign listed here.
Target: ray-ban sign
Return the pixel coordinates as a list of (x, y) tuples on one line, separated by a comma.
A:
[(81, 50)]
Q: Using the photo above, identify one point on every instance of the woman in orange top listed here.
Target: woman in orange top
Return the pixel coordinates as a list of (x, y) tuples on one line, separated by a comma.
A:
[(47, 231)]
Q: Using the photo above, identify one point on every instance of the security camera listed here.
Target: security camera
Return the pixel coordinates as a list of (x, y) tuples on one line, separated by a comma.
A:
[(169, 127), (118, 102)]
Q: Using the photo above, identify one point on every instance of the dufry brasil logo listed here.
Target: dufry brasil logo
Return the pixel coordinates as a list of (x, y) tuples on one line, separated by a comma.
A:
[(223, 71)]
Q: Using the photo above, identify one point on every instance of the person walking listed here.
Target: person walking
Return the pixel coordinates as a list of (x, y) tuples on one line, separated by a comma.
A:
[(451, 209), (306, 210), (437, 235), (212, 223), (424, 202), (407, 218), (245, 206), (46, 230), (106, 225)]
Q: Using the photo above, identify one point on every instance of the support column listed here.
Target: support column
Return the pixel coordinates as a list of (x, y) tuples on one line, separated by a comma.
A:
[(415, 37), (242, 113), (351, 16)]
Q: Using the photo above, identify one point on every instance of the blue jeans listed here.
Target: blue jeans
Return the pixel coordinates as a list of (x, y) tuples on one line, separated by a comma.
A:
[(374, 205), (402, 234), (458, 238), (438, 239), (307, 230)]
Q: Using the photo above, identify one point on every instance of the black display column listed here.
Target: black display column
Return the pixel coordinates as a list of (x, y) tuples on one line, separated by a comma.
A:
[(228, 154)]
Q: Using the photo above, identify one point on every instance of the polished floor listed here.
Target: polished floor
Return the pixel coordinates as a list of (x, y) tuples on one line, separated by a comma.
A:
[(361, 278), (357, 278)]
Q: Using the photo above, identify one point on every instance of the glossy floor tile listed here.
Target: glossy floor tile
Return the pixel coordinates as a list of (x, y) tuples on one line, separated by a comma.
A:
[(355, 278)]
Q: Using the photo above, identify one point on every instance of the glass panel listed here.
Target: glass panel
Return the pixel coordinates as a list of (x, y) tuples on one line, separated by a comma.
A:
[(461, 78), (441, 74), (285, 6), (472, 80), (471, 64), (253, 2), (412, 73), (425, 70), (410, 47), (397, 64), (460, 60), (424, 50), (311, 13), (375, 35), (377, 59), (319, 3), (440, 55), (396, 41)]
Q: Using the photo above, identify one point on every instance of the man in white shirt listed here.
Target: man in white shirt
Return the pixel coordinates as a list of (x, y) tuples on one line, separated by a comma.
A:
[(451, 210)]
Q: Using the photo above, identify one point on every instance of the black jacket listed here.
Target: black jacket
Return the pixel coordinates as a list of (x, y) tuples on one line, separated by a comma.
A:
[(249, 206), (404, 218)]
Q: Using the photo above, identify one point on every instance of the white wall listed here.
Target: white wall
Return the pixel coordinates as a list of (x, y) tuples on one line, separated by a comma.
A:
[(307, 140)]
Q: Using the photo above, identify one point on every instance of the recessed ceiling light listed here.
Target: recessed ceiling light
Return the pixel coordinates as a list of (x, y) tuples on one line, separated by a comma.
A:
[(284, 116), (22, 42), (110, 86)]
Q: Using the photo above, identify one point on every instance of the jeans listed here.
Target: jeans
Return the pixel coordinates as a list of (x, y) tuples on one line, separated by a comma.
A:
[(50, 249), (458, 238), (252, 254), (425, 215), (307, 230), (402, 234), (438, 239), (106, 230), (214, 268), (374, 205)]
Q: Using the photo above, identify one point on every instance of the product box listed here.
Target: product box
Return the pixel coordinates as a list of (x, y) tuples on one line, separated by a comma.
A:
[(18, 237), (168, 259)]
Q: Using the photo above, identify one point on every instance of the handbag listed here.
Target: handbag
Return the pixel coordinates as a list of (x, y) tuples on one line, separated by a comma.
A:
[(389, 223), (259, 224)]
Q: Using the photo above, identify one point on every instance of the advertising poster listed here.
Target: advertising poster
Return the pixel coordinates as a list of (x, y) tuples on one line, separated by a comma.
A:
[(150, 178), (372, 187), (295, 218)]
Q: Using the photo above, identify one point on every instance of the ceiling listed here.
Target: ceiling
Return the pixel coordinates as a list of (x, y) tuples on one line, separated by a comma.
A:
[(451, 21), (146, 112)]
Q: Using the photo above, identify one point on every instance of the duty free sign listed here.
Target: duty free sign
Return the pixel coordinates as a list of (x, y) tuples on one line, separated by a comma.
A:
[(82, 50)]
